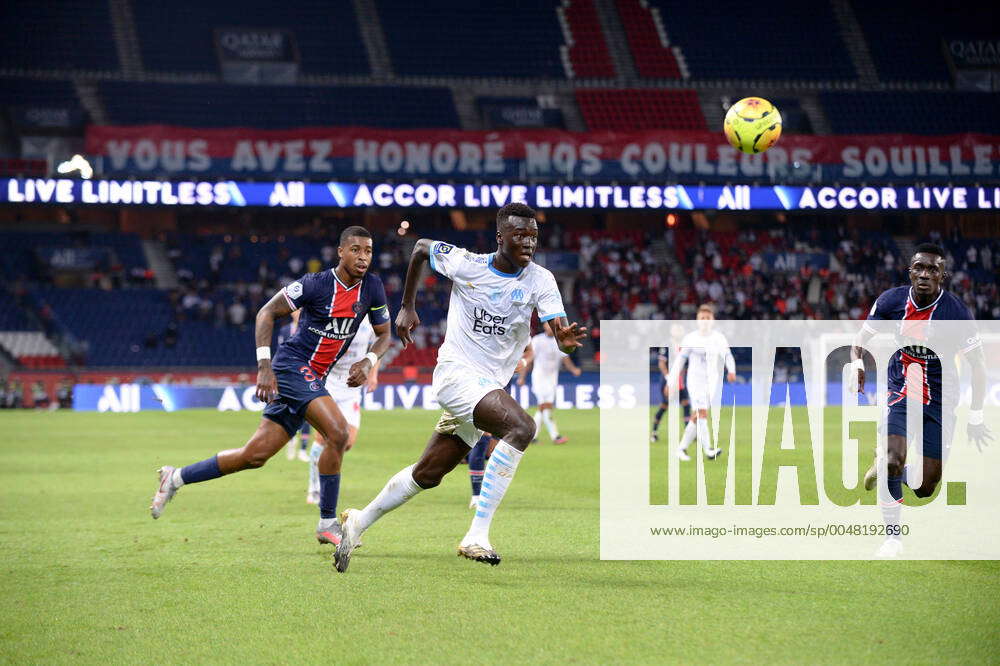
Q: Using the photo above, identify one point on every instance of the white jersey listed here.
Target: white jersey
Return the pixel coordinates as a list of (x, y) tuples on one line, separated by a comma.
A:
[(489, 314), (548, 357), (360, 345), (704, 354)]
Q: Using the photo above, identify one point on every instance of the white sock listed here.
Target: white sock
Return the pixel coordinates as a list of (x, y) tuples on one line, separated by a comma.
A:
[(315, 451), (703, 439), (499, 473), (538, 423), (550, 423), (397, 491), (176, 479), (689, 433)]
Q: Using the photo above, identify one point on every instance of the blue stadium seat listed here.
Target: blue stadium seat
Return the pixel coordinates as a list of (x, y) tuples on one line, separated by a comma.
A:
[(277, 107), (37, 92), (911, 112), (486, 38), (117, 325), (906, 40), (57, 35), (735, 40), (12, 317), (179, 35)]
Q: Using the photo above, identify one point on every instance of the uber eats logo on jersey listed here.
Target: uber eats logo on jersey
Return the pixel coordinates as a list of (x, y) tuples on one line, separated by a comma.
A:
[(338, 328), (486, 322)]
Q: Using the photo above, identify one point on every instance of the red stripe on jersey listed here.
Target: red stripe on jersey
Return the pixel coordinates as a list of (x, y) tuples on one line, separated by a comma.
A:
[(327, 350), (919, 318)]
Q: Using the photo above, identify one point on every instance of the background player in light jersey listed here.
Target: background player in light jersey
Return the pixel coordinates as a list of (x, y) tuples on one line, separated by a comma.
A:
[(296, 445), (348, 399), (923, 300), (489, 318), (333, 302), (702, 351), (662, 363), (543, 357)]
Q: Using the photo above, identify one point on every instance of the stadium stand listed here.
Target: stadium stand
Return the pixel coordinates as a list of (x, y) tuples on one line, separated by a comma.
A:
[(37, 92), (276, 107), (76, 36), (20, 256), (730, 42), (588, 54), (906, 44), (640, 109), (31, 349), (179, 36), (648, 41), (456, 38), (12, 316), (911, 112), (139, 327)]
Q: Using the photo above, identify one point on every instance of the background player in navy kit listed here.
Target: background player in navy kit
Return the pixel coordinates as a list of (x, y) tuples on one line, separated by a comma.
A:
[(923, 300), (296, 446), (332, 302), (662, 363)]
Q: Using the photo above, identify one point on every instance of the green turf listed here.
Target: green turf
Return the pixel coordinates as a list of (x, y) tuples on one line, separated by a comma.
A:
[(232, 573)]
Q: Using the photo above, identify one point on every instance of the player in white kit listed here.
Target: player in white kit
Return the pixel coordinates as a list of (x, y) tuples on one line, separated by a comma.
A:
[(702, 350), (489, 317), (348, 399), (544, 358)]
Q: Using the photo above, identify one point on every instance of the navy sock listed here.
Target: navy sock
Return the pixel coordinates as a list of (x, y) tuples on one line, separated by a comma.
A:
[(329, 490), (659, 415), (895, 484), (477, 464), (304, 433), (204, 470)]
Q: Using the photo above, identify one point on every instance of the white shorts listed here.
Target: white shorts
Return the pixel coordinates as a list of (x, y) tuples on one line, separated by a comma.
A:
[(544, 389), (348, 399), (459, 389), (699, 394)]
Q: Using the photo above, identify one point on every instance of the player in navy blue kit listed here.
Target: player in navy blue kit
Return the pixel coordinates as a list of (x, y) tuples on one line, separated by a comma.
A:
[(332, 304), (923, 301), (299, 447)]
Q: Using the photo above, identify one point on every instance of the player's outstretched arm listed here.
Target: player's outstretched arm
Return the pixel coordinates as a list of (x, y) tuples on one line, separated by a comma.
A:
[(407, 319), (274, 309), (573, 368), (977, 430), (568, 336), (857, 356), (359, 372), (524, 365)]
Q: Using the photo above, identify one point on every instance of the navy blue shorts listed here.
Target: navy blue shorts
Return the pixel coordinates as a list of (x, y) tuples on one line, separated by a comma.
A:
[(937, 431), (296, 389)]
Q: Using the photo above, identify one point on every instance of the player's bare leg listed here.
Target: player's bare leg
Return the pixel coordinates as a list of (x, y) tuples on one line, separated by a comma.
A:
[(895, 464), (443, 453), (324, 415), (501, 415), (262, 445)]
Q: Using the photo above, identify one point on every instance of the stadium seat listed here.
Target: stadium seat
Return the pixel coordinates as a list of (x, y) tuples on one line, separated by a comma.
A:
[(646, 40), (457, 38), (733, 41), (179, 36), (38, 92), (907, 44), (31, 349), (589, 55), (276, 107), (640, 109), (64, 35), (911, 112)]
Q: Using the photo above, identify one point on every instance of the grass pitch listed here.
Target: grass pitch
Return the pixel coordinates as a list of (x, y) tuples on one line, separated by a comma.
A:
[(232, 572)]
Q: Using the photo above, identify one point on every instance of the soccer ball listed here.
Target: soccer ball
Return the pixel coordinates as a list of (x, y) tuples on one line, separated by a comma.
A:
[(752, 125)]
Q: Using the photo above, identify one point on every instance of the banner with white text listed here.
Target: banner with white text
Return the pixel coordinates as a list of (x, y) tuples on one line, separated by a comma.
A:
[(537, 155)]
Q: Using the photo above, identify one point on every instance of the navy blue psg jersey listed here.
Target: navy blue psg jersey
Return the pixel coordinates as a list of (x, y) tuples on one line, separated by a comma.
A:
[(331, 313), (897, 304)]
